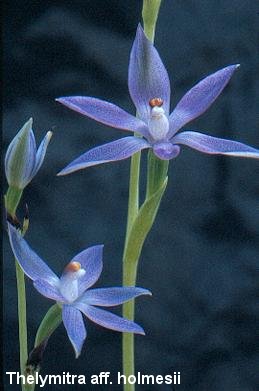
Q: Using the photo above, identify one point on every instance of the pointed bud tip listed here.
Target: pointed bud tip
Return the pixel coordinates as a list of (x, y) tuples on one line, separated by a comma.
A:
[(27, 127), (49, 134)]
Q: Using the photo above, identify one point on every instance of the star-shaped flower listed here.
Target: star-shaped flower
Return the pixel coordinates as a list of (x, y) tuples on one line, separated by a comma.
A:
[(149, 88), (72, 291)]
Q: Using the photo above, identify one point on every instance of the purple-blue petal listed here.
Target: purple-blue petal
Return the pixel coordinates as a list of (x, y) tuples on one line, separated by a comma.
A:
[(116, 150), (213, 145), (74, 324), (49, 289), (148, 77), (199, 98), (166, 150), (91, 260), (104, 112), (41, 152), (109, 320), (112, 296), (33, 266)]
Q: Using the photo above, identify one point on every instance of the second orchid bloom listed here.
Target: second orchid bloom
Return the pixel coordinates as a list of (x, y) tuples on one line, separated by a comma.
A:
[(71, 290)]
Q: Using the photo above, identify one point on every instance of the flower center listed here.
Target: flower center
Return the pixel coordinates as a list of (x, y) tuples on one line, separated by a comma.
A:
[(69, 281), (158, 122)]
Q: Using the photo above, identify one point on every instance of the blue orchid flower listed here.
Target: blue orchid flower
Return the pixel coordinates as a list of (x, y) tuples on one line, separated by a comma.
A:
[(71, 290), (149, 88), (23, 160)]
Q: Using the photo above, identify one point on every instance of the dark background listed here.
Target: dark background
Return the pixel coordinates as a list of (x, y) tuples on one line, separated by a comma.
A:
[(201, 258)]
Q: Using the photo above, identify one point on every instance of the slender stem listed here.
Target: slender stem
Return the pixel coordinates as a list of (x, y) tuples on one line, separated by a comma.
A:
[(149, 13), (22, 318), (129, 279), (12, 200), (130, 270)]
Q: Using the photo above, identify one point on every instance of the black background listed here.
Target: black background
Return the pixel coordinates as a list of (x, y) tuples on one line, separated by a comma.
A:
[(201, 258)]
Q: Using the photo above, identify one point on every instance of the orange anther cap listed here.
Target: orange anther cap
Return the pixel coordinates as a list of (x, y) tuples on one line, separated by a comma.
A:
[(73, 266), (156, 102)]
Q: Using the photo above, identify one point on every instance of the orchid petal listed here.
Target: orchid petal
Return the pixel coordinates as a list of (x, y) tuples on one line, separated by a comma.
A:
[(112, 296), (33, 266), (166, 150), (116, 150), (109, 320), (104, 112), (148, 77), (91, 260), (214, 145), (199, 98), (49, 290), (74, 324), (41, 152)]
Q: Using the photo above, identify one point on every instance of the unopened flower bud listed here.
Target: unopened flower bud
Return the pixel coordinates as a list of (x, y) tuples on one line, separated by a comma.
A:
[(23, 160)]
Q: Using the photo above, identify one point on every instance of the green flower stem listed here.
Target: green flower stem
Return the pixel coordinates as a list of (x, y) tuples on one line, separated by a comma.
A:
[(22, 319), (12, 199), (139, 220), (129, 270), (129, 279)]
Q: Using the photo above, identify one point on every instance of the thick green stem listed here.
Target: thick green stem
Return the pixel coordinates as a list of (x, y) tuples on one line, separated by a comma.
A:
[(130, 264)]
